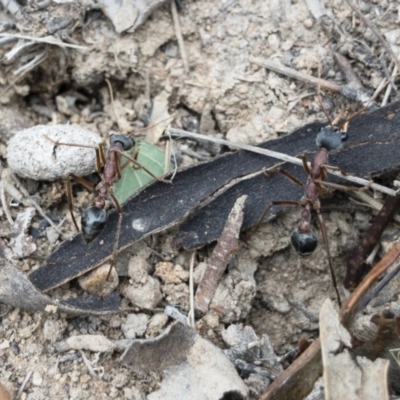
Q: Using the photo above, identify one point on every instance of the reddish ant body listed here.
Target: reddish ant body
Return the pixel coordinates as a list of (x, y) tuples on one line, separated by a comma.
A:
[(94, 218), (303, 238)]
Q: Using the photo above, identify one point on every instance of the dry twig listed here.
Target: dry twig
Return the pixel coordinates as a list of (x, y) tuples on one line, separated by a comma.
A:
[(224, 250), (283, 157), (179, 36), (292, 73), (47, 40)]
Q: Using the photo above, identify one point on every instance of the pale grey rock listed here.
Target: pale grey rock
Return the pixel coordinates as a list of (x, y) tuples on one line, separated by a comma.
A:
[(30, 154), (135, 325)]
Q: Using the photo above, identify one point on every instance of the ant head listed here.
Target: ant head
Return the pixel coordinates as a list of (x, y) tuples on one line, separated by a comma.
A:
[(331, 138), (93, 221), (126, 141), (304, 243)]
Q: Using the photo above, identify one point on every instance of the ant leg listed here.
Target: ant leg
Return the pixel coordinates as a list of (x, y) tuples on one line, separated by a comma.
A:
[(58, 143), (117, 234), (100, 155), (134, 156), (143, 167), (338, 118), (328, 253), (305, 165), (70, 205), (100, 158), (83, 182), (288, 203), (126, 163), (291, 177)]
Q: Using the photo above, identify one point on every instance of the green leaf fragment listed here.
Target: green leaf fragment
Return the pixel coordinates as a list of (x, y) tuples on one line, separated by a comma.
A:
[(134, 177)]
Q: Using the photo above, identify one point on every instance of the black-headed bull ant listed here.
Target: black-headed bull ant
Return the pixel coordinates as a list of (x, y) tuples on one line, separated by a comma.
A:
[(109, 168), (303, 239)]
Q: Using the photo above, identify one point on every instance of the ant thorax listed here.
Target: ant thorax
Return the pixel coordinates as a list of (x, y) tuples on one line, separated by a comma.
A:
[(331, 138)]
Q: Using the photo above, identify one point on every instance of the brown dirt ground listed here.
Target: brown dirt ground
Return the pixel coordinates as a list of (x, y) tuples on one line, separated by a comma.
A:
[(228, 94)]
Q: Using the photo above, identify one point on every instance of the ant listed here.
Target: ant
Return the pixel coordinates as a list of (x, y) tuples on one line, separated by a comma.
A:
[(303, 239), (108, 166)]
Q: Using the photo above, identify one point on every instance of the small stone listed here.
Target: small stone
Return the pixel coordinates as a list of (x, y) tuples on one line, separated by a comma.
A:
[(120, 380), (237, 335), (113, 393), (52, 235), (5, 344), (170, 273), (53, 330), (308, 23), (146, 295), (156, 325), (135, 325), (209, 321), (37, 379), (273, 41), (96, 281), (31, 154), (85, 378), (287, 45), (138, 269), (199, 272), (177, 294), (115, 321)]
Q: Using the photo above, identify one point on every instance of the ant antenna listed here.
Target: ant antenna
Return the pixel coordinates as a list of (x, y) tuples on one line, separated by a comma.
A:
[(110, 91), (319, 94), (378, 90)]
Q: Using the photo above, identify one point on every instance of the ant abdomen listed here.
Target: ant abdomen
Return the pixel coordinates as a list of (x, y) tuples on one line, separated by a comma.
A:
[(304, 243), (93, 221), (126, 141), (331, 138)]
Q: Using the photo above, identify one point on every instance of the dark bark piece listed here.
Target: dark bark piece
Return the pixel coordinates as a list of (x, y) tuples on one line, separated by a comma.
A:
[(159, 206), (371, 150), (94, 302), (205, 226), (356, 266), (17, 291)]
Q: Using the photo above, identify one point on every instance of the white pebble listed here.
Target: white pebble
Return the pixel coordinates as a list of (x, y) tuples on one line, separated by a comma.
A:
[(37, 379), (156, 324), (144, 295), (135, 325), (52, 235), (31, 154), (4, 345)]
